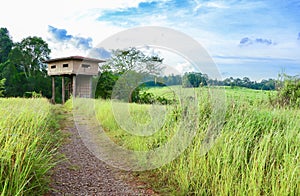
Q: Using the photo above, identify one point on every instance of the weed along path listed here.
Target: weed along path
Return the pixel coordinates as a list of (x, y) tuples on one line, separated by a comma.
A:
[(81, 173)]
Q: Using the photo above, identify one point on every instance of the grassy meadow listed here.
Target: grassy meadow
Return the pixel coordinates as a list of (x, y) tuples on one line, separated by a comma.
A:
[(256, 153), (28, 144)]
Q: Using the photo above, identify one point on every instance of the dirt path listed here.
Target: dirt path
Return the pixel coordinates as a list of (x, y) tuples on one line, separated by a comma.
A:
[(83, 174)]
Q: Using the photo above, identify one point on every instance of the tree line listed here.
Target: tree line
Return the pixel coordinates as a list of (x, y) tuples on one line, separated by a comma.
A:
[(22, 67), (264, 84), (23, 71), (196, 79)]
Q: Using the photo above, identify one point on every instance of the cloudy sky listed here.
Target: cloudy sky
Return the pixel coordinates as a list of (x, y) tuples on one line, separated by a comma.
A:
[(256, 38)]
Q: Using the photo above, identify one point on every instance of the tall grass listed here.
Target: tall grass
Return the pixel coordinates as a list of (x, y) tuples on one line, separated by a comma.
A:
[(257, 153), (27, 145)]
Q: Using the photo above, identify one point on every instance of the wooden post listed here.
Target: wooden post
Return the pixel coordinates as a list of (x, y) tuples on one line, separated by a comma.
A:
[(53, 90), (63, 89), (69, 89), (71, 86), (74, 86), (90, 87)]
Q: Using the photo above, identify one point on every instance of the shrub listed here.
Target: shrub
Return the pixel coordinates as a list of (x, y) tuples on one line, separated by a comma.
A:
[(138, 95), (2, 87), (288, 93)]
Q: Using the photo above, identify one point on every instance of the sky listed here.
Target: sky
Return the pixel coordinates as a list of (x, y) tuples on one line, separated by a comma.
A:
[(257, 39)]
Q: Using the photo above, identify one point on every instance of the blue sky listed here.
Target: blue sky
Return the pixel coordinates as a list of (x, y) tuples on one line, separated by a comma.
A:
[(258, 39)]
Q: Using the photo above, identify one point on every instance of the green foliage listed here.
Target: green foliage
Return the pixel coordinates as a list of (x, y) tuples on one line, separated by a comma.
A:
[(5, 44), (22, 65), (141, 96), (32, 52), (193, 79), (134, 60), (256, 154), (29, 55), (245, 82), (288, 93), (125, 85), (105, 85), (33, 95), (28, 145), (171, 80), (128, 67), (2, 87)]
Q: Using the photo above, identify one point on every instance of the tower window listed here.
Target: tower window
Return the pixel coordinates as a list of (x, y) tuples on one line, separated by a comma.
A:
[(65, 65), (85, 66), (53, 66)]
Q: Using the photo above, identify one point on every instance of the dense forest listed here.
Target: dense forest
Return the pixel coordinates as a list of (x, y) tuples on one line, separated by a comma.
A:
[(21, 66), (23, 71)]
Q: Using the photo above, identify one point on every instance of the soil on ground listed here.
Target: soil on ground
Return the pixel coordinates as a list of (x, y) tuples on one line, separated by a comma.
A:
[(81, 173)]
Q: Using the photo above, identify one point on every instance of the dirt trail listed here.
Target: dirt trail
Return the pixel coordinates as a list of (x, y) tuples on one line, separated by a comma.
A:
[(83, 174)]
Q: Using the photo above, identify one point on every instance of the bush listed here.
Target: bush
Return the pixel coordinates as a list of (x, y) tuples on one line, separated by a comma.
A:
[(143, 97), (105, 85), (2, 87), (33, 95), (288, 93)]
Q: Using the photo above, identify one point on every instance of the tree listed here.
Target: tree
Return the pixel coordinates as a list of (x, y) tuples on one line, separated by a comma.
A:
[(172, 79), (267, 84), (227, 82), (132, 59), (6, 44), (32, 52), (193, 79), (14, 79), (246, 82), (105, 85), (129, 68), (24, 69)]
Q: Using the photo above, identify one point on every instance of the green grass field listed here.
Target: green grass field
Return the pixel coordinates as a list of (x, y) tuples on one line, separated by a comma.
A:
[(28, 145), (236, 93), (256, 153)]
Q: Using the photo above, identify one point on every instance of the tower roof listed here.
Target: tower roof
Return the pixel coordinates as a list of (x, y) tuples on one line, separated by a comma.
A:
[(79, 58)]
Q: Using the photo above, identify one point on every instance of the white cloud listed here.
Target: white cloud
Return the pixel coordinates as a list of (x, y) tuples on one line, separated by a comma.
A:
[(210, 4), (219, 5), (32, 17), (219, 28)]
